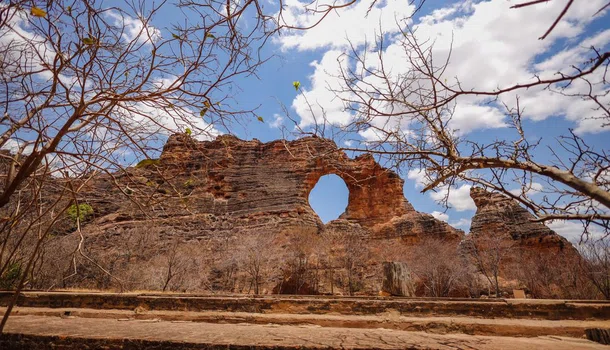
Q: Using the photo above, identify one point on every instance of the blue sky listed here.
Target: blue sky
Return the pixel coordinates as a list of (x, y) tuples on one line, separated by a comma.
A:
[(492, 46)]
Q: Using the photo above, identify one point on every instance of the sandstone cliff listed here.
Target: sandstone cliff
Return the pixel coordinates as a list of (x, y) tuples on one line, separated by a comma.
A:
[(233, 216), (498, 214), (252, 179), (505, 239)]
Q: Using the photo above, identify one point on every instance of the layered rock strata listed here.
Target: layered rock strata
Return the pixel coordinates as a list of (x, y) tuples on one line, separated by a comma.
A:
[(502, 217), (251, 178)]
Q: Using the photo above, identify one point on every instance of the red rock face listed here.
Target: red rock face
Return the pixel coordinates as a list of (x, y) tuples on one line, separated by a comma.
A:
[(253, 178), (500, 215)]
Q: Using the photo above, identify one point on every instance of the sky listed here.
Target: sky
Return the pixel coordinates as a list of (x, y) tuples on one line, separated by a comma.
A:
[(491, 45)]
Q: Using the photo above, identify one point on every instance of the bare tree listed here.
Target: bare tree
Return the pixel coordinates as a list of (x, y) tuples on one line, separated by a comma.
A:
[(88, 87), (596, 264), (297, 275), (29, 220), (488, 253), (354, 257), (439, 267), (255, 256), (327, 253), (174, 266), (538, 271), (345, 252)]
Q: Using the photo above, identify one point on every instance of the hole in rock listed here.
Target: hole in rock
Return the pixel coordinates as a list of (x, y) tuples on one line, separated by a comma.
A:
[(328, 198)]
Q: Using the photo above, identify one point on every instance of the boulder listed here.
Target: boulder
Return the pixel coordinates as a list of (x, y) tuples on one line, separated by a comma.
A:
[(397, 279)]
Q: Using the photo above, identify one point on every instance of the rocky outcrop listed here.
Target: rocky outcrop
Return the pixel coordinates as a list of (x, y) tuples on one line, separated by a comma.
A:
[(251, 178), (233, 215), (499, 215), (205, 208), (397, 279), (513, 251)]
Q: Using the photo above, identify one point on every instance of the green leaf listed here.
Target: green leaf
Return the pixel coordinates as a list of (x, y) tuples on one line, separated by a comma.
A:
[(210, 35), (260, 119), (147, 162), (175, 36), (88, 41), (202, 113), (69, 9), (38, 12), (188, 131), (82, 212), (296, 84)]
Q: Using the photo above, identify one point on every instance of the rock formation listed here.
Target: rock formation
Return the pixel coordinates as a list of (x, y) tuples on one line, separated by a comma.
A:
[(397, 279), (254, 179), (204, 208), (498, 214), (512, 250), (233, 216)]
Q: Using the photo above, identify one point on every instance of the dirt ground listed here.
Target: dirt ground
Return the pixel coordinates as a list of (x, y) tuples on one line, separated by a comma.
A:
[(134, 321), (274, 336)]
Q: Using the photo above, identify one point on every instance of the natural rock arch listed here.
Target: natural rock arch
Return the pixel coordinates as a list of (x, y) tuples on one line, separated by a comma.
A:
[(375, 193), (255, 179)]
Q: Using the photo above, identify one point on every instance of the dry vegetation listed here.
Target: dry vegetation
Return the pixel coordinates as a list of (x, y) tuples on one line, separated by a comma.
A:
[(301, 262)]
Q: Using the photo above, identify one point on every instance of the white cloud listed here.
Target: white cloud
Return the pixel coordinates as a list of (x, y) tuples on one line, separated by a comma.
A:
[(135, 29), (24, 52), (419, 176), (355, 23), (311, 105), (27, 52), (497, 47), (592, 123), (373, 134), (440, 216), (443, 13), (469, 117), (576, 53), (528, 189), (165, 82), (234, 5), (491, 46), (59, 163), (459, 197), (539, 104), (463, 224), (603, 178), (571, 230), (147, 118), (277, 122), (13, 146)]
